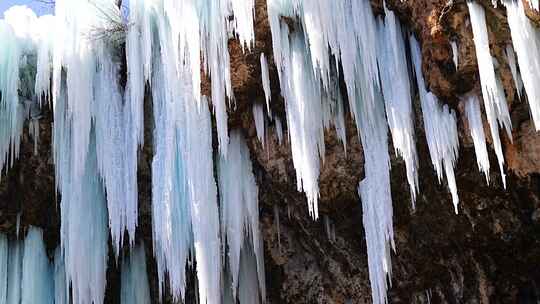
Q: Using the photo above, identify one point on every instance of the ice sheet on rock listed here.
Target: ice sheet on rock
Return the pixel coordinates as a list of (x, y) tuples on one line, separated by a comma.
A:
[(397, 96), (265, 76), (474, 117), (260, 122), (492, 90), (134, 278), (440, 127), (239, 205), (526, 41), (37, 273)]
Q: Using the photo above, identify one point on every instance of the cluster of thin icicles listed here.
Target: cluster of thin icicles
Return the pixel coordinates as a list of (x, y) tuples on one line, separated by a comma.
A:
[(72, 59), (27, 276)]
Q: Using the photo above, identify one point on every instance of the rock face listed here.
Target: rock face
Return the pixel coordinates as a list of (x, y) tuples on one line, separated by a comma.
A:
[(489, 252)]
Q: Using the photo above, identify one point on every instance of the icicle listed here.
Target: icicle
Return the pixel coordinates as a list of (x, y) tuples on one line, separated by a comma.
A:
[(396, 90), (61, 292), (455, 53), (474, 117), (526, 40), (327, 227), (134, 280), (440, 127), (492, 91), (4, 249), (511, 58), (276, 223), (260, 122), (18, 225), (240, 210), (37, 276), (266, 83)]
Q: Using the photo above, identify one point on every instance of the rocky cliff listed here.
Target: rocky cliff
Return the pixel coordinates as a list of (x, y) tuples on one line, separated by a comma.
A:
[(488, 253)]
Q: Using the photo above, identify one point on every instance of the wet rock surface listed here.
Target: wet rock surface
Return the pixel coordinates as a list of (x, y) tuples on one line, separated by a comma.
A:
[(488, 253)]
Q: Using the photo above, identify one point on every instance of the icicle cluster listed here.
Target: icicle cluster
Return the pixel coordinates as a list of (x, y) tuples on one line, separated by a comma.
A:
[(24, 73), (526, 41), (474, 117), (397, 95), (239, 205), (440, 126), (492, 90), (27, 275)]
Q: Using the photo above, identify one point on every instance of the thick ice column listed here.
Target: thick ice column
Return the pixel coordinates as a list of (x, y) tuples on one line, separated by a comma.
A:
[(134, 280), (239, 204), (492, 90), (526, 41), (476, 127), (440, 127), (397, 96), (171, 215), (4, 249), (37, 276)]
